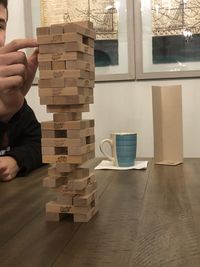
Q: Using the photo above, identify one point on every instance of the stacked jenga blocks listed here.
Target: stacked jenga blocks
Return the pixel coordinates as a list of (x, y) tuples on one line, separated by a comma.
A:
[(66, 70)]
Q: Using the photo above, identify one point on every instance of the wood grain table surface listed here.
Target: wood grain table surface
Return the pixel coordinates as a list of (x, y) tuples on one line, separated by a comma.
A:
[(147, 218)]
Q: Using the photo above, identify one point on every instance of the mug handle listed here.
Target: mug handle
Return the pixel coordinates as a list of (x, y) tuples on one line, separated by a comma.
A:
[(101, 148)]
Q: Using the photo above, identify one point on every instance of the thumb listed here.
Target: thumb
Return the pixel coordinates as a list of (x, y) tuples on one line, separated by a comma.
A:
[(33, 59), (32, 64)]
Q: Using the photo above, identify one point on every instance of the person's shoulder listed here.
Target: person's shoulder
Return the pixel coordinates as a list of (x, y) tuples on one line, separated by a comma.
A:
[(26, 108)]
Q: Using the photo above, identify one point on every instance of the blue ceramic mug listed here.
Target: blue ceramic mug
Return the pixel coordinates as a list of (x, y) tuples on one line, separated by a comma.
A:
[(123, 147)]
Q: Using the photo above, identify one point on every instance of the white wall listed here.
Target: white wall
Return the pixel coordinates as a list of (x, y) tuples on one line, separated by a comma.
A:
[(16, 27), (124, 106)]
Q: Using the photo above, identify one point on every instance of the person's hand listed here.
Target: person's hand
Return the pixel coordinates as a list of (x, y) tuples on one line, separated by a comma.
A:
[(8, 168), (16, 75)]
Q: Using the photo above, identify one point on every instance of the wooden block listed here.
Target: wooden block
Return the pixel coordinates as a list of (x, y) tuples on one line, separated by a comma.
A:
[(88, 58), (82, 124), (80, 133), (85, 217), (91, 75), (64, 108), (63, 189), (66, 148), (54, 216), (88, 41), (43, 31), (85, 201), (66, 91), (57, 82), (61, 117), (53, 206), (52, 182), (54, 172), (65, 56), (90, 139), (72, 37), (48, 150), (78, 47), (54, 151), (69, 73), (49, 39), (79, 173), (66, 100), (89, 91), (56, 29), (80, 184), (48, 134), (72, 27), (58, 65), (79, 64), (80, 150), (63, 167), (62, 142), (52, 48), (64, 199), (86, 91), (79, 83), (54, 134), (45, 65), (59, 159), (65, 82), (78, 159), (66, 47), (59, 38)]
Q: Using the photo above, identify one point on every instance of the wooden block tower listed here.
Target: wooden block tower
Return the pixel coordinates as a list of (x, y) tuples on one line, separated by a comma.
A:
[(66, 70)]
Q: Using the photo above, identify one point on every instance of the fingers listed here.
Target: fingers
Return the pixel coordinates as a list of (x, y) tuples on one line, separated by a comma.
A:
[(33, 59), (4, 173), (32, 65), (13, 58), (6, 177), (14, 70), (9, 84), (18, 44)]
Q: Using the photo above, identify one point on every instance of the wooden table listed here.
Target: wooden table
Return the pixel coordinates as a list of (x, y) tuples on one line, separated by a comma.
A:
[(146, 218)]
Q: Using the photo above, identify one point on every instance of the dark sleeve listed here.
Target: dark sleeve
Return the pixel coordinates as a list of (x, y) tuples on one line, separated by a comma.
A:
[(25, 142), (3, 127)]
